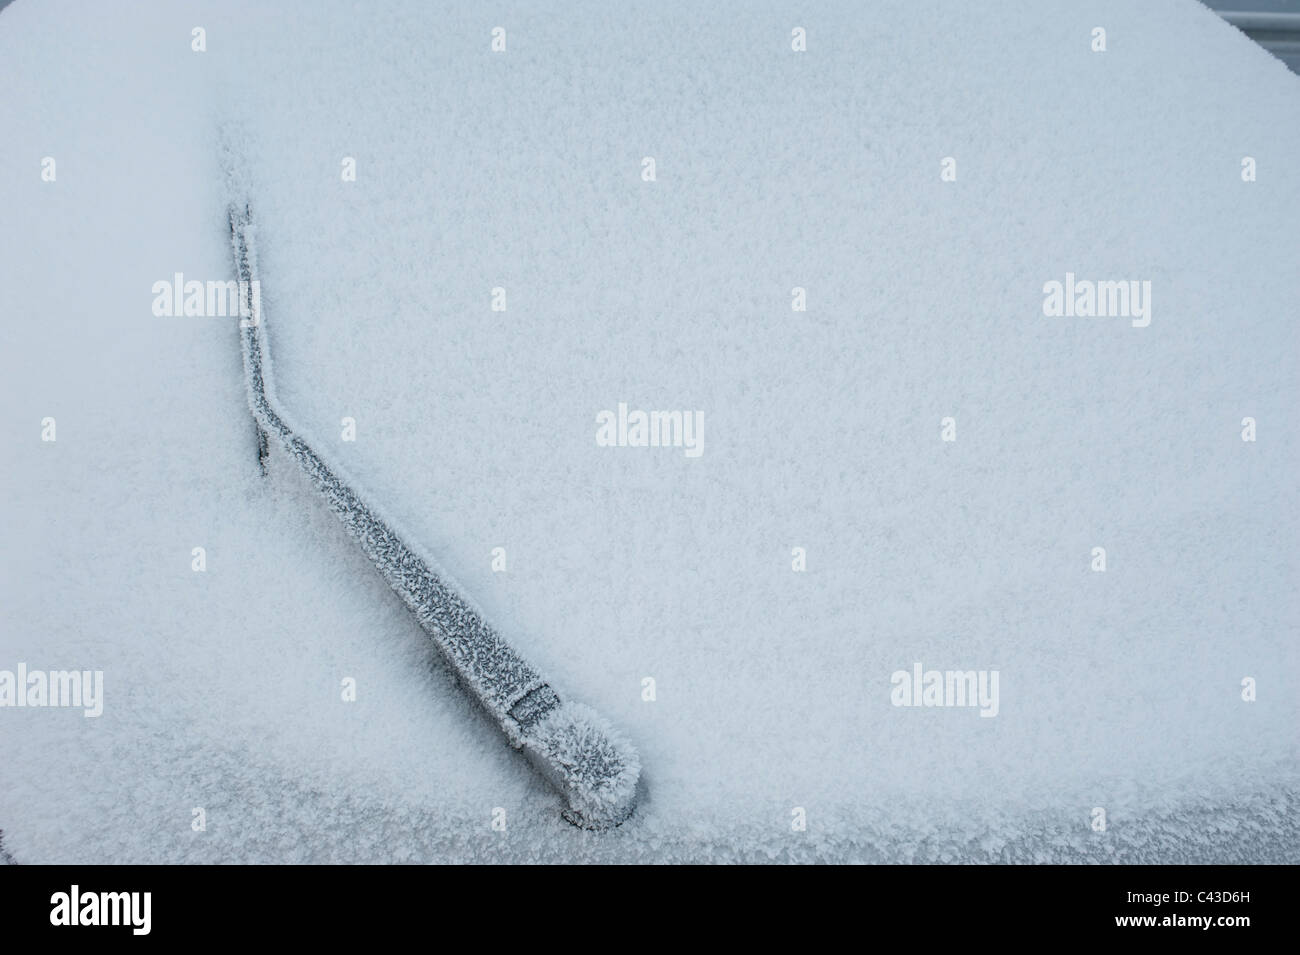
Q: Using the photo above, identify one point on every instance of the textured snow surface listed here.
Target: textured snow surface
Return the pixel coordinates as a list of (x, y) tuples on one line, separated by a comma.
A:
[(595, 770), (475, 428)]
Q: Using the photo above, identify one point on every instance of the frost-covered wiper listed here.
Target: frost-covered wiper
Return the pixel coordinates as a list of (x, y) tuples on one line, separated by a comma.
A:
[(593, 766)]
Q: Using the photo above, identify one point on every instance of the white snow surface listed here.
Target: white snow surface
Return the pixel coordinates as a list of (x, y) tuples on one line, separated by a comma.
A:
[(476, 429)]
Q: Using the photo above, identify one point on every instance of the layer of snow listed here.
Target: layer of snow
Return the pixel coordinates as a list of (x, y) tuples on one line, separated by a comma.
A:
[(476, 429)]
